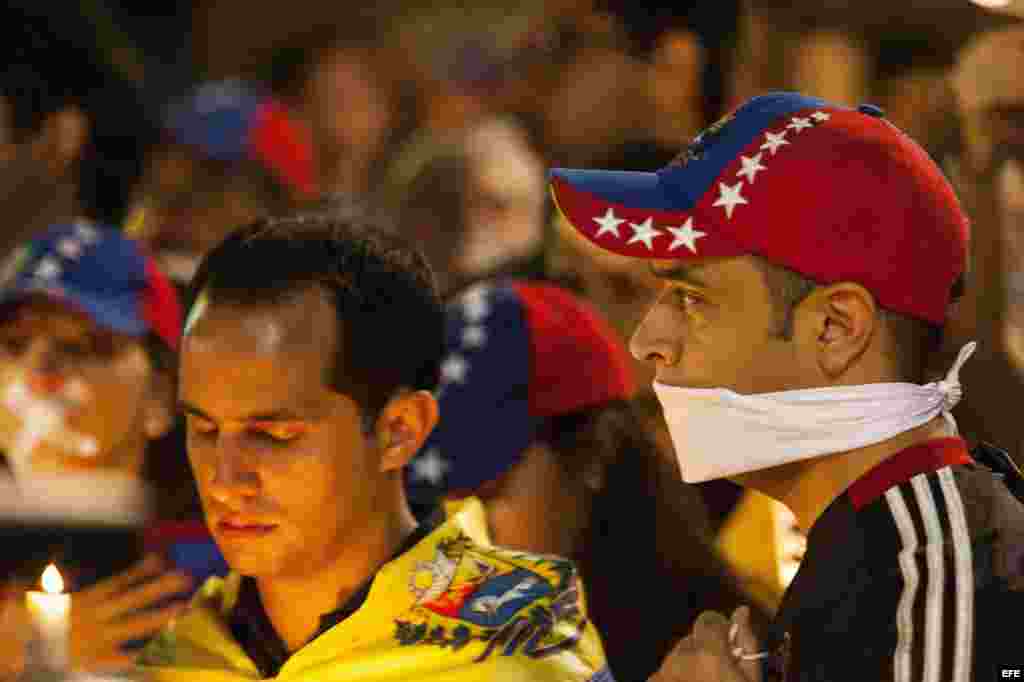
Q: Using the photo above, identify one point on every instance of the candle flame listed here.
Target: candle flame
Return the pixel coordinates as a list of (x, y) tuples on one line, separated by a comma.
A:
[(52, 581)]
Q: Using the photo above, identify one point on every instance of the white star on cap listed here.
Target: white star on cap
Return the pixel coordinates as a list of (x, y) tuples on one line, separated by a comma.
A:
[(48, 268), (774, 140), (474, 336), (430, 466), (820, 116), (453, 369), (644, 232), (751, 164), (476, 292), (685, 235), (475, 306), (69, 248), (798, 124), (86, 232), (729, 197), (609, 224)]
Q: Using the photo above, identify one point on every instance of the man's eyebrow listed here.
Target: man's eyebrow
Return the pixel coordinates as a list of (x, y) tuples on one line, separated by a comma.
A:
[(283, 415), (187, 408), (275, 416), (678, 273)]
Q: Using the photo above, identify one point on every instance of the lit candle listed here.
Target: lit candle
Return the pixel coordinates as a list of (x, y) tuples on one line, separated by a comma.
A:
[(50, 611)]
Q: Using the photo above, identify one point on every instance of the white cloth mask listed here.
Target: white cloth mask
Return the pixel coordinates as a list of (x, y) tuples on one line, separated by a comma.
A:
[(719, 433)]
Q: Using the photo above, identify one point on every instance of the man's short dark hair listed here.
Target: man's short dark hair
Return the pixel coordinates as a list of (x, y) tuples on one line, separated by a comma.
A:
[(50, 63), (915, 339), (390, 320), (41, 72)]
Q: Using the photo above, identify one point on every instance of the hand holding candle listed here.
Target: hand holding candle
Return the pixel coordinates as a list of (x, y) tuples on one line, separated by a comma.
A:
[(50, 613), (129, 606)]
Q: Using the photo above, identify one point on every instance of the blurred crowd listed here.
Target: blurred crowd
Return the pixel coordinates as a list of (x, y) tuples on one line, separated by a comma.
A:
[(446, 120)]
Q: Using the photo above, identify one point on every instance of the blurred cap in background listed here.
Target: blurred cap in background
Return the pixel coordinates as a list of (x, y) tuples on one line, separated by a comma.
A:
[(232, 120), (100, 272), (517, 354)]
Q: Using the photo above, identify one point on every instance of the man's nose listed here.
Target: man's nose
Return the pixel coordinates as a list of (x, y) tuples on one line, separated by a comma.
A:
[(45, 366), (653, 341), (233, 476)]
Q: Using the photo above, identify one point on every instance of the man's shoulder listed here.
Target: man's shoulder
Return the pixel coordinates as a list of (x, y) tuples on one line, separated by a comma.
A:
[(484, 587), (938, 567), (957, 504), (954, 527)]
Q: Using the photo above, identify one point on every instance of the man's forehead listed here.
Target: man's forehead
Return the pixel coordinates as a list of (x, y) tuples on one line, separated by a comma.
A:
[(733, 272), (677, 269), (257, 342), (223, 378), (290, 324), (263, 408), (281, 349)]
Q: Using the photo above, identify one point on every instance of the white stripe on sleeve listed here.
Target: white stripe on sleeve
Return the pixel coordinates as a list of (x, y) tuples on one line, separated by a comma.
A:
[(908, 566), (963, 560), (936, 579)]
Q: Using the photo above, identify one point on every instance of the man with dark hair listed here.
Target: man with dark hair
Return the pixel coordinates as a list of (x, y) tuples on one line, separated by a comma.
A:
[(308, 361), (43, 125), (808, 253), (72, 130), (338, 80)]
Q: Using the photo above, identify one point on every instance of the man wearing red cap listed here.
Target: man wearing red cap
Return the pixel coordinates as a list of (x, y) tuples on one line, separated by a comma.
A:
[(808, 253)]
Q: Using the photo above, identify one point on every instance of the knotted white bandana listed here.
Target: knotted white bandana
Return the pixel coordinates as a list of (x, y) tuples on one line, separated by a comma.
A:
[(719, 433)]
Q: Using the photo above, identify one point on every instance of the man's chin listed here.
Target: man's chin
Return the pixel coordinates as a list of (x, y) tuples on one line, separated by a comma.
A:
[(253, 564), (256, 559)]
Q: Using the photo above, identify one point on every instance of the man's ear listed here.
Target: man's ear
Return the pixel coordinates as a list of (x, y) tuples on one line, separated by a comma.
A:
[(846, 323), (158, 409), (403, 426), (62, 139)]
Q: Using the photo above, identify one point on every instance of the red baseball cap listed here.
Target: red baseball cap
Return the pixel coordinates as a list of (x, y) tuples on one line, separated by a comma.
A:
[(834, 193)]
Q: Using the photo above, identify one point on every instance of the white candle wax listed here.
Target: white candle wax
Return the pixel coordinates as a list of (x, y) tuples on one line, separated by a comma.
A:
[(50, 612)]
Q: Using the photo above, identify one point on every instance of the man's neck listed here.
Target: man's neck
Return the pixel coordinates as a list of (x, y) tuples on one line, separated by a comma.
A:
[(295, 603), (809, 487)]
